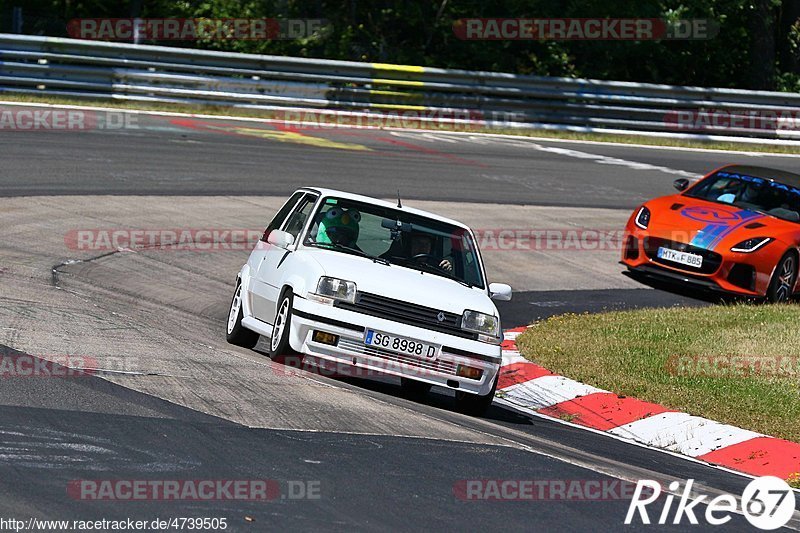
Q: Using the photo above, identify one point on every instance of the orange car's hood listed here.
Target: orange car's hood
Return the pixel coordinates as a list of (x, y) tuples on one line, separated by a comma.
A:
[(709, 224)]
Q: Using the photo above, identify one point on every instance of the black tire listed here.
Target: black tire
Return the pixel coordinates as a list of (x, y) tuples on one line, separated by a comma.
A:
[(235, 333), (474, 404), (414, 390), (279, 346), (783, 279)]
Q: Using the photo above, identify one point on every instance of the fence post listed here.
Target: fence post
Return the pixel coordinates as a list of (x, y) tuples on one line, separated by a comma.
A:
[(16, 19)]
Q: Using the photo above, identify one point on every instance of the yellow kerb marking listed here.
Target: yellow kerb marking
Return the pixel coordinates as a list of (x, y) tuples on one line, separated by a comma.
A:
[(299, 138)]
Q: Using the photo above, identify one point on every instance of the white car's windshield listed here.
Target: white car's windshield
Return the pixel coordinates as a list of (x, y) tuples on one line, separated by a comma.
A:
[(397, 237)]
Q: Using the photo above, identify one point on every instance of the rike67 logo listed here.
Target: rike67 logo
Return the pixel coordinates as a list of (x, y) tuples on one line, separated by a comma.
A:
[(767, 503)]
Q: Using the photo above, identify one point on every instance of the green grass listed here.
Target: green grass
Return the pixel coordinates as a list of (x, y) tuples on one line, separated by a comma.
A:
[(253, 113), (633, 353)]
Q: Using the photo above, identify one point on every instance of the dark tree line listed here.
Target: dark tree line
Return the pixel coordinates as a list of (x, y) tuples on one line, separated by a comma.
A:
[(757, 47)]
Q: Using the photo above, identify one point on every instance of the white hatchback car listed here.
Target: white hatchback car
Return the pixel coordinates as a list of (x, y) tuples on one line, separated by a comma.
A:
[(366, 283)]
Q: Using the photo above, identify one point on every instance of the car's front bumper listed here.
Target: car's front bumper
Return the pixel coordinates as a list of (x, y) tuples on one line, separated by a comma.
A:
[(645, 273), (734, 274), (351, 351)]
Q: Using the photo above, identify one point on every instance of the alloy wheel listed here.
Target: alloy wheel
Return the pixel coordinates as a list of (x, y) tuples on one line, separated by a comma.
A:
[(236, 304), (280, 324)]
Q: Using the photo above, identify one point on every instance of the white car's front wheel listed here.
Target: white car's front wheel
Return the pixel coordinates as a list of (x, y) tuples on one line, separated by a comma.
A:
[(235, 332), (279, 341), (414, 390), (473, 404)]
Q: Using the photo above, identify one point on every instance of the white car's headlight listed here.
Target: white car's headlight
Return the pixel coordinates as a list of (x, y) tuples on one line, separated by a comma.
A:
[(336, 289), (480, 323)]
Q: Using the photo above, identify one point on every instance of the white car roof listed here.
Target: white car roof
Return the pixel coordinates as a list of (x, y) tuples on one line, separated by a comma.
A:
[(383, 203)]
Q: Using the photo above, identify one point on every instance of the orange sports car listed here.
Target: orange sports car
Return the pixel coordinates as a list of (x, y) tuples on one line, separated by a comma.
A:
[(736, 231)]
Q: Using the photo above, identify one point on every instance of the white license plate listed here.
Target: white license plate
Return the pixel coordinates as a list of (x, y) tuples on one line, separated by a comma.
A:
[(684, 258), (399, 344)]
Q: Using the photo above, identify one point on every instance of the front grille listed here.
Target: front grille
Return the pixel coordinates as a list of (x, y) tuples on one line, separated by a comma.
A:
[(711, 260), (445, 367), (407, 313)]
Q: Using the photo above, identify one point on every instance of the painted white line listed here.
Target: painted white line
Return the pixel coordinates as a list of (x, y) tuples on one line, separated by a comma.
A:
[(684, 433), (567, 152), (547, 391), (524, 140), (477, 138), (456, 133), (435, 137), (605, 160)]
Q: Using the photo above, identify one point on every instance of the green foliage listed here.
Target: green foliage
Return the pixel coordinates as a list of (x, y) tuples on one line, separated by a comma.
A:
[(421, 33), (789, 82)]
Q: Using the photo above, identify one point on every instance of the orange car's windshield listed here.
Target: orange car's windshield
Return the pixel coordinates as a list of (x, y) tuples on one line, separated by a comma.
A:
[(754, 193)]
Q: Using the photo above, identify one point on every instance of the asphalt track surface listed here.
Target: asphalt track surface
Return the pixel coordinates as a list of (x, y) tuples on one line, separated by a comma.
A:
[(192, 407), (179, 156)]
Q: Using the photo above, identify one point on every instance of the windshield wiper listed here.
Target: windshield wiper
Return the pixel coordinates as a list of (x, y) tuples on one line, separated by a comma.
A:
[(348, 249), (425, 267)]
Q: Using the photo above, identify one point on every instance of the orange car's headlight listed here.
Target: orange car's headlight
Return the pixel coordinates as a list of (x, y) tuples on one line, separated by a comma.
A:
[(642, 219), (751, 245)]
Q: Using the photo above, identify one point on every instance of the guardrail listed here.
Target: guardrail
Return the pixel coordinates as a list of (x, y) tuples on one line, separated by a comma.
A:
[(102, 70)]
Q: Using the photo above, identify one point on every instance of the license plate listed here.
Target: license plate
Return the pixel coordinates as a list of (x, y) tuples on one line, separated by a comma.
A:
[(399, 344), (684, 258)]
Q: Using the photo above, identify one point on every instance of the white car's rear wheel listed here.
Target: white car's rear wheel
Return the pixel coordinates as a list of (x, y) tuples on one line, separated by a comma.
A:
[(235, 332)]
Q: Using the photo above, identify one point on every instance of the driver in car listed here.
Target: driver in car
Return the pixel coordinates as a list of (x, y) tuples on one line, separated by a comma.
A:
[(422, 248)]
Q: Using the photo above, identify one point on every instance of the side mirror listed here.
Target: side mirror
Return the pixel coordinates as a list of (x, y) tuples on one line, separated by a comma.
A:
[(281, 239), (500, 292), (681, 184)]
